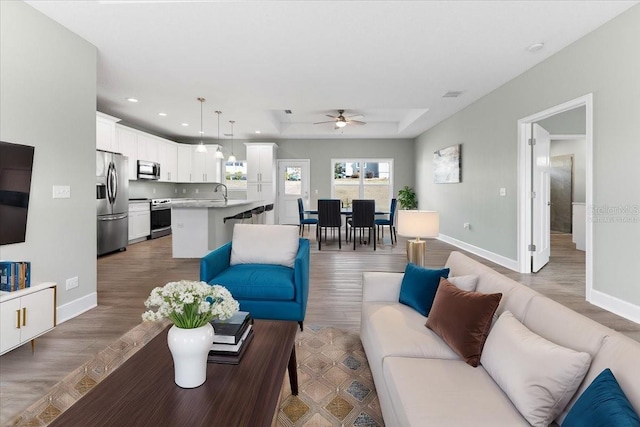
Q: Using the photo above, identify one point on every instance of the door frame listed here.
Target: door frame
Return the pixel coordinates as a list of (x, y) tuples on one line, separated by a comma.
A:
[(524, 183), (306, 189)]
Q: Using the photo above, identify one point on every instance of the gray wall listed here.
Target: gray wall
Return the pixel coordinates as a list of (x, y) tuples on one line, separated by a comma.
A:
[(572, 122), (577, 148), (48, 100), (605, 63), (318, 151)]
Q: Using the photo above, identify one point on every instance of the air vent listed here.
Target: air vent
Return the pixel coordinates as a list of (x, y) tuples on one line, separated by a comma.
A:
[(288, 112), (452, 94)]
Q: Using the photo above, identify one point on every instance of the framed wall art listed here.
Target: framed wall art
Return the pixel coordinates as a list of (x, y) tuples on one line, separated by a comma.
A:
[(446, 165)]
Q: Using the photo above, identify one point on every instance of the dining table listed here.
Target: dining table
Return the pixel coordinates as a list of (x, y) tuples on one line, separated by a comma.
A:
[(346, 212)]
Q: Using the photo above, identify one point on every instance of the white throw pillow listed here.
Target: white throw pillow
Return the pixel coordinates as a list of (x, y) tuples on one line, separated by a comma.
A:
[(539, 377), (264, 244), (465, 283)]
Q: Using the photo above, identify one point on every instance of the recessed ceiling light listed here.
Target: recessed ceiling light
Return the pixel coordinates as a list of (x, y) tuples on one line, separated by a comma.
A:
[(132, 100), (162, 114), (535, 47), (185, 124), (257, 131)]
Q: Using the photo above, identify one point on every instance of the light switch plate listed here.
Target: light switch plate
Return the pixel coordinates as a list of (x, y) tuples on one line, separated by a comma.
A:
[(61, 191), (503, 191)]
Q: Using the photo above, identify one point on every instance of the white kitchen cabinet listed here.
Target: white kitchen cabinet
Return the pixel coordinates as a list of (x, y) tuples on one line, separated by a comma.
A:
[(261, 171), (139, 221), (26, 314), (168, 159), (128, 143), (261, 162), (106, 133), (205, 167), (185, 153), (148, 148)]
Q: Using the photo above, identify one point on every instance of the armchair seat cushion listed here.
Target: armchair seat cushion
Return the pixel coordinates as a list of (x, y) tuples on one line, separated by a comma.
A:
[(258, 282)]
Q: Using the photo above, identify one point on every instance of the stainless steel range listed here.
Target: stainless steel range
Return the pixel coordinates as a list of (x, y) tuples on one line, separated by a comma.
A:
[(160, 217)]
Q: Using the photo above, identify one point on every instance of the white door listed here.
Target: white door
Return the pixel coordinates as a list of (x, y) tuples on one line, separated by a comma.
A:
[(541, 201), (293, 183)]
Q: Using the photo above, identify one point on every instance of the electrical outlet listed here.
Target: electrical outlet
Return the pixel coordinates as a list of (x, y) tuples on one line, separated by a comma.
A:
[(503, 191), (184, 190), (197, 191), (466, 225), (176, 190), (61, 191), (72, 283), (154, 191)]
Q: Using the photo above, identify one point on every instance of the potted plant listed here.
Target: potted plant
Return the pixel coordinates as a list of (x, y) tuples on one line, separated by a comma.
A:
[(191, 306), (407, 198)]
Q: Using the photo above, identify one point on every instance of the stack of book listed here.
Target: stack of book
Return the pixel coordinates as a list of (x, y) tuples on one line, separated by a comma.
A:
[(231, 338), (14, 275)]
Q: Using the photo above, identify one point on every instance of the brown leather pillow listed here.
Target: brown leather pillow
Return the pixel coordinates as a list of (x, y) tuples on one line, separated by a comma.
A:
[(463, 319)]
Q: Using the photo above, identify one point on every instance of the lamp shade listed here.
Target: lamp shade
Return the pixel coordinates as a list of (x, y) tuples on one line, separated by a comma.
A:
[(413, 223)]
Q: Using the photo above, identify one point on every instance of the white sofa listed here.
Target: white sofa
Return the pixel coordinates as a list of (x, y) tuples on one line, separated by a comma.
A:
[(420, 381)]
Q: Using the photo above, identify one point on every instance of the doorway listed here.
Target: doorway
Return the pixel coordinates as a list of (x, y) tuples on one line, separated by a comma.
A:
[(293, 183), (530, 209)]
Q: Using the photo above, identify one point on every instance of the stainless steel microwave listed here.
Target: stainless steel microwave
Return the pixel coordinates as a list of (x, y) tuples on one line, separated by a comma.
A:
[(148, 170)]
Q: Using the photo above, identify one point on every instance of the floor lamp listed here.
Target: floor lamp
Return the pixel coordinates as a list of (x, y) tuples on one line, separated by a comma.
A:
[(418, 224)]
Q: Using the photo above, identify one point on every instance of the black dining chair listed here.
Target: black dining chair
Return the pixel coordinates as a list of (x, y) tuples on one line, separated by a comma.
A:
[(390, 222), (304, 221), (329, 216), (363, 217)]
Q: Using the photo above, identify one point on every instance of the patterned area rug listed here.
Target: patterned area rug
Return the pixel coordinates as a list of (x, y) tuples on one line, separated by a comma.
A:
[(334, 380)]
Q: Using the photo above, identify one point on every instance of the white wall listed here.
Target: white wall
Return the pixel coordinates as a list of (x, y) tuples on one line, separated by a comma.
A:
[(606, 63), (48, 100)]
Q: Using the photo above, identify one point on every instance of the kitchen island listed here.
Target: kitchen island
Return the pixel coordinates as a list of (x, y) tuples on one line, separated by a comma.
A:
[(198, 225)]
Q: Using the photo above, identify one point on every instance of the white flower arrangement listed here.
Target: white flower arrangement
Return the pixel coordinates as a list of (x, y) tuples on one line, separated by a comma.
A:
[(190, 304)]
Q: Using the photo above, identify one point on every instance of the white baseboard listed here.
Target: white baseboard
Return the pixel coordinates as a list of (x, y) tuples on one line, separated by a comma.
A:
[(76, 307), (615, 305), (509, 263)]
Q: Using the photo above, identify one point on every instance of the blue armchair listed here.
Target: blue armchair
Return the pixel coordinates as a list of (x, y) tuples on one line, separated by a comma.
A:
[(267, 291)]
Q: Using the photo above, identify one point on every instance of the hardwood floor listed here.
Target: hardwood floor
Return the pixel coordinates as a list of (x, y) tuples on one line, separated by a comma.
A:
[(126, 278)]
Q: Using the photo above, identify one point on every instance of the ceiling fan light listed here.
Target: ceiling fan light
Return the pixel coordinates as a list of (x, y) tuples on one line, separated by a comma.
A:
[(341, 124)]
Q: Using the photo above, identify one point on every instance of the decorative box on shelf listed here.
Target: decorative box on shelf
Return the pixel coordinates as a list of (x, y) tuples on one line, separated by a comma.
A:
[(26, 314)]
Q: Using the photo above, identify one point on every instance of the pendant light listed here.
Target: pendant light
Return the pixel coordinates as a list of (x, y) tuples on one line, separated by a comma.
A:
[(231, 158), (201, 147), (219, 154)]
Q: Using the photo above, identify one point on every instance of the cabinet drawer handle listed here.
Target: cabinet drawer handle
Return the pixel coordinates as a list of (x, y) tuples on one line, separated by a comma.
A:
[(18, 318), (24, 316)]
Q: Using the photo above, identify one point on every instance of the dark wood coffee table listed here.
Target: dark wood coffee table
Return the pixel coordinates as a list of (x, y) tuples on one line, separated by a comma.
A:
[(142, 391)]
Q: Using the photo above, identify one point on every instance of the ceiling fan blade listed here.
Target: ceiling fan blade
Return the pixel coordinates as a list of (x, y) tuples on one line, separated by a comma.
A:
[(356, 122), (354, 116), (333, 117), (328, 121)]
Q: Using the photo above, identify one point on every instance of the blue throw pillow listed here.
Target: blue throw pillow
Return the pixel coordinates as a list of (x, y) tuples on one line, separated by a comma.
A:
[(419, 286), (603, 404)]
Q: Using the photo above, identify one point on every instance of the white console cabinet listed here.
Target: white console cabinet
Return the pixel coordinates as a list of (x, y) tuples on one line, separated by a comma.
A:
[(26, 314)]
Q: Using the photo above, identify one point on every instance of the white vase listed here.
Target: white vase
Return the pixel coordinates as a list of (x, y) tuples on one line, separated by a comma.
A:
[(190, 348)]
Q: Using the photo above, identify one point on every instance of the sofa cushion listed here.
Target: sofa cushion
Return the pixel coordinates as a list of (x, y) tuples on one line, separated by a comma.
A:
[(264, 244), (258, 282), (466, 283), (602, 404), (437, 392), (539, 377), (419, 286), (462, 319)]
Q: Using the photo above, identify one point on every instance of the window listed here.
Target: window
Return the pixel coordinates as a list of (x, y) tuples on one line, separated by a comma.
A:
[(235, 176), (292, 183), (363, 179)]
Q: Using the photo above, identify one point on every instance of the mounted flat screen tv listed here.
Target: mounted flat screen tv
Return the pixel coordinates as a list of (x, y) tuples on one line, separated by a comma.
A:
[(16, 162)]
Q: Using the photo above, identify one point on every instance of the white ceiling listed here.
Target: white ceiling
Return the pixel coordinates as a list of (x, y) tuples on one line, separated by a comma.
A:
[(391, 61)]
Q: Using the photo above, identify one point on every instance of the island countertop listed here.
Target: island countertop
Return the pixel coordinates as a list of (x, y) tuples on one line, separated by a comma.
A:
[(210, 203)]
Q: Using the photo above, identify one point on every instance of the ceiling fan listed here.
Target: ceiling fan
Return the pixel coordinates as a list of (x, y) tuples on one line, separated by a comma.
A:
[(341, 121)]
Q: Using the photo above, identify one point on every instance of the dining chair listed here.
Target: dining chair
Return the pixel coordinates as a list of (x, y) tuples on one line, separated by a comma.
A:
[(304, 221), (363, 217), (390, 222), (329, 216)]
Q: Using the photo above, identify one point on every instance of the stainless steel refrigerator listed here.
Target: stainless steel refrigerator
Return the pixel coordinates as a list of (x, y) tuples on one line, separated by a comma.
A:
[(112, 197)]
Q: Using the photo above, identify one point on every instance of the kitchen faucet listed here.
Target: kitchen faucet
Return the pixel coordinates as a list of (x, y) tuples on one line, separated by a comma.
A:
[(226, 191)]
